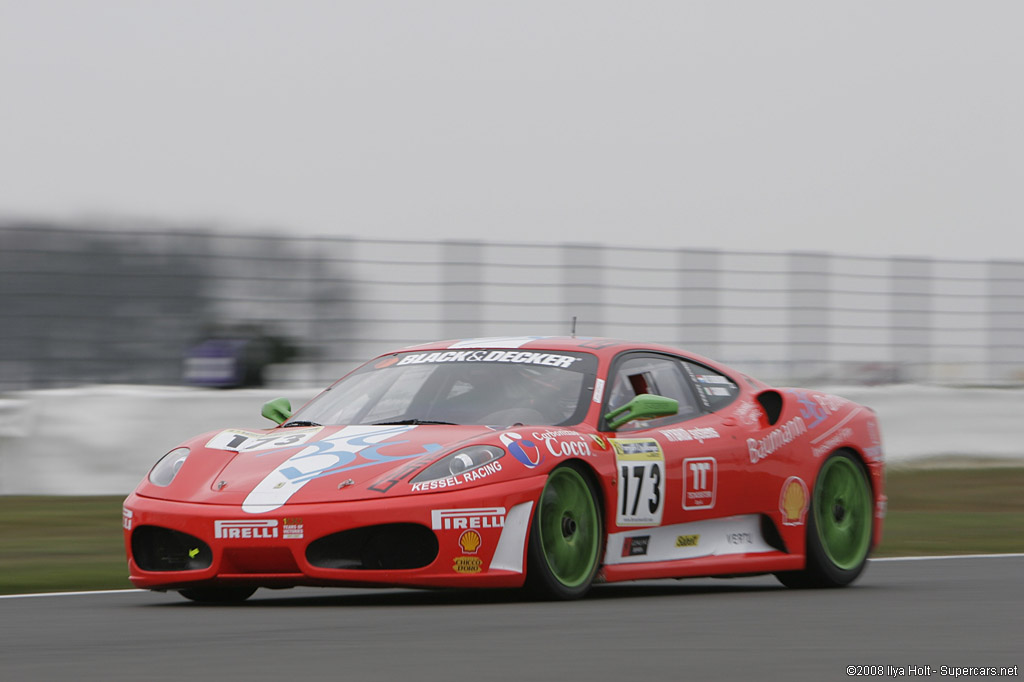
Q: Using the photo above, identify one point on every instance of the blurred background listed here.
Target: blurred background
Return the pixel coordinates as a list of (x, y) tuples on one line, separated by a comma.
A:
[(204, 205), (247, 193), (100, 305)]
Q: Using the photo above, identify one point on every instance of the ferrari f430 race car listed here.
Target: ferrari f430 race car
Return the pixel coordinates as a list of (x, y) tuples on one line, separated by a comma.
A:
[(549, 463)]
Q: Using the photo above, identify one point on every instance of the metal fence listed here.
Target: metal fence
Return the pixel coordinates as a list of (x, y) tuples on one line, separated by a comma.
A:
[(114, 306)]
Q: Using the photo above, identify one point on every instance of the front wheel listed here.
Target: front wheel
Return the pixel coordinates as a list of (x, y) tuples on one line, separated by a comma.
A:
[(565, 537), (839, 526)]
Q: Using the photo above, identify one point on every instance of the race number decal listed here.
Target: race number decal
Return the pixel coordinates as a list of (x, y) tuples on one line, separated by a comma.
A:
[(238, 440), (641, 468)]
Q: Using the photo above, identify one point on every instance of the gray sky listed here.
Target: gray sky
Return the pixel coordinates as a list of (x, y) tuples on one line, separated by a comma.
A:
[(875, 128)]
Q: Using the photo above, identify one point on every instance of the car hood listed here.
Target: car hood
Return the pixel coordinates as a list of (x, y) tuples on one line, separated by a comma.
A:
[(263, 470)]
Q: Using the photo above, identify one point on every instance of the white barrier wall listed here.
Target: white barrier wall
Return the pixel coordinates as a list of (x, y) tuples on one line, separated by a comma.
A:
[(102, 440)]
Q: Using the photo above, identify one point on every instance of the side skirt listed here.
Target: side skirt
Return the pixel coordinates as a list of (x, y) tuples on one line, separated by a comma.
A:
[(735, 564)]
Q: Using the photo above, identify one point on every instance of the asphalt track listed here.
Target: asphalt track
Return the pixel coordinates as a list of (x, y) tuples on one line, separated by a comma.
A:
[(944, 612)]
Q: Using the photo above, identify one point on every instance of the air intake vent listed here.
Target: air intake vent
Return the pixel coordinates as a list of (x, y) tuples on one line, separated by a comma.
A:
[(388, 547), (163, 549)]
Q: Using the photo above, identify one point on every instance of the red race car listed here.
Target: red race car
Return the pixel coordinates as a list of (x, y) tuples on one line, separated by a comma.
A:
[(550, 463)]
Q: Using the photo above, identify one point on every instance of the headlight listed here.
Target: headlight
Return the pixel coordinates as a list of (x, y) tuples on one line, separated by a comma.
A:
[(459, 462), (164, 471)]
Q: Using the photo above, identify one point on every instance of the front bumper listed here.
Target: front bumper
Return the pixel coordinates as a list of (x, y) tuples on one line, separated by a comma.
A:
[(467, 538)]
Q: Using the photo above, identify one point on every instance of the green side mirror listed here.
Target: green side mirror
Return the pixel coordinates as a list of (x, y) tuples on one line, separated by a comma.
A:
[(644, 406), (277, 410)]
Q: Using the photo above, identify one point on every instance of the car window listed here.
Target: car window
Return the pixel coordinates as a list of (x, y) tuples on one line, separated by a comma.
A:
[(714, 388), (394, 401), (654, 375), (490, 387)]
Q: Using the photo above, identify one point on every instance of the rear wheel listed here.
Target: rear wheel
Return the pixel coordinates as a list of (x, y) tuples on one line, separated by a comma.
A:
[(565, 537), (217, 595), (839, 526)]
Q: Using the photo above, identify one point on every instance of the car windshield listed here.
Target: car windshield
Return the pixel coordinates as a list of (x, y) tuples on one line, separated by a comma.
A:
[(486, 387)]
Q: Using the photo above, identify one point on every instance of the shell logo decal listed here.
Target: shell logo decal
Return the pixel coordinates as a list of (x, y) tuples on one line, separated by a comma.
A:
[(469, 541), (793, 501)]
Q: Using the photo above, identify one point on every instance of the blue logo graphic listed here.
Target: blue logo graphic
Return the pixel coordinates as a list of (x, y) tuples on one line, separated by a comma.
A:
[(810, 410), (526, 451), (330, 456)]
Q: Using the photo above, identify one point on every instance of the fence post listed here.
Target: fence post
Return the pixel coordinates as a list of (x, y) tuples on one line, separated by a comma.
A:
[(1006, 322), (910, 317), (461, 288), (809, 320), (699, 301), (583, 287), (327, 340)]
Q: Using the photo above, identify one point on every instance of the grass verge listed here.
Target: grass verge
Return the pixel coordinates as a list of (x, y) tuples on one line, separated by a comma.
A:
[(61, 543), (75, 543), (954, 511)]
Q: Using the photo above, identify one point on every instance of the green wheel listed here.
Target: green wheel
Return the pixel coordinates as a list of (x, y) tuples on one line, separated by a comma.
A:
[(565, 537), (839, 526), (217, 595)]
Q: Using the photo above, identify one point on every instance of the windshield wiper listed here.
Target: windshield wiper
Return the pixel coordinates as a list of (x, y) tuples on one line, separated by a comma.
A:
[(300, 422), (412, 421)]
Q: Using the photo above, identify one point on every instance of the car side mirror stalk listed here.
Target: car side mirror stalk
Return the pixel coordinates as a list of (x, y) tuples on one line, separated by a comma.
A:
[(645, 406), (277, 410)]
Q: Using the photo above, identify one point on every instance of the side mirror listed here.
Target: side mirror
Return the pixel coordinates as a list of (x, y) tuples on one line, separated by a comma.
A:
[(644, 406), (277, 410)]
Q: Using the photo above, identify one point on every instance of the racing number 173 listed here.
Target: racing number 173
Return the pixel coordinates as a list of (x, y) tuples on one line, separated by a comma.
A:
[(639, 472)]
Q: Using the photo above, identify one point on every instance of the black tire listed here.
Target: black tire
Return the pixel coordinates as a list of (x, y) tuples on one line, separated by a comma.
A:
[(217, 595), (566, 537), (840, 525)]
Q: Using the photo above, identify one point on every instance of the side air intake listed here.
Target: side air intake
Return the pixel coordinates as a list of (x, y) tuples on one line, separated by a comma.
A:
[(395, 546), (162, 549)]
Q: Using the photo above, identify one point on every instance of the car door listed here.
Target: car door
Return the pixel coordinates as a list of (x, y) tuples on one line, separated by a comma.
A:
[(679, 468)]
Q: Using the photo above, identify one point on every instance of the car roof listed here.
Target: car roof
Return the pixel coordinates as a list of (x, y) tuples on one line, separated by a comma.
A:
[(604, 348), (600, 346)]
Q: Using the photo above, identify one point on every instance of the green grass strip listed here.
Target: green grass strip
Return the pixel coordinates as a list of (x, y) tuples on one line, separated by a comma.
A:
[(954, 511), (61, 544)]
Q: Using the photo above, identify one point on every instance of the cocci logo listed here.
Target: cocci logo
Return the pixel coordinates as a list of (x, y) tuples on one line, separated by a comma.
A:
[(526, 451)]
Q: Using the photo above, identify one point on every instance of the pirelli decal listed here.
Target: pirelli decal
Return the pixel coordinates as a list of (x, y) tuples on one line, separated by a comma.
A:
[(462, 519)]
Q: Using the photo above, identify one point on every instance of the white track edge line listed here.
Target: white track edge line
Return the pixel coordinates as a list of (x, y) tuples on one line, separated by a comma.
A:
[(67, 594), (948, 556)]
